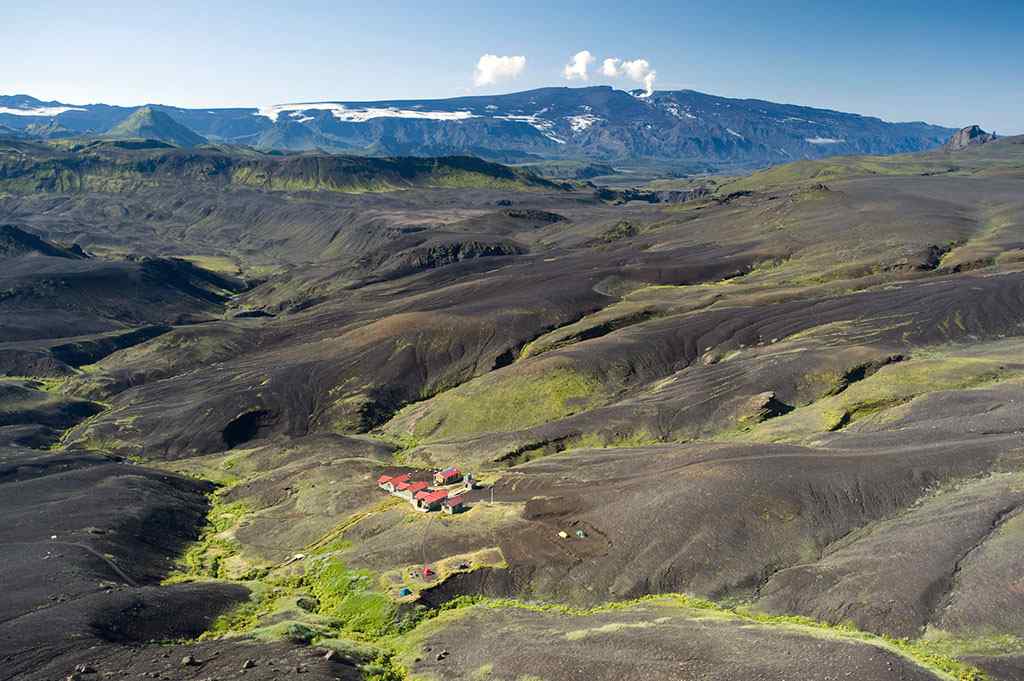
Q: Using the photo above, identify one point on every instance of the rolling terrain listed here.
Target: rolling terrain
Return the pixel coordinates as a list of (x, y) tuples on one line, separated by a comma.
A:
[(764, 426), (685, 130)]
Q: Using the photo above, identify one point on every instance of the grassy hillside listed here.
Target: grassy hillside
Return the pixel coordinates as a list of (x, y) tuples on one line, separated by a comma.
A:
[(1001, 157), (122, 166)]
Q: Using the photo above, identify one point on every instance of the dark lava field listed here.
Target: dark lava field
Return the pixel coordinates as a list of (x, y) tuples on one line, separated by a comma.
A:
[(767, 427)]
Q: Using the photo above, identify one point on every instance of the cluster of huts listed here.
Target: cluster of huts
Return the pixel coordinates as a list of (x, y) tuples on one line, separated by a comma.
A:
[(423, 496)]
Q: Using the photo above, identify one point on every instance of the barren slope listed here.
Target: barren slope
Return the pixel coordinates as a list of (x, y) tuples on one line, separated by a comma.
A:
[(796, 399)]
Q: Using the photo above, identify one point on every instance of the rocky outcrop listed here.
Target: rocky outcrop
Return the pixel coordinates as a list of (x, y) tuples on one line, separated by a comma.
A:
[(15, 242), (967, 137)]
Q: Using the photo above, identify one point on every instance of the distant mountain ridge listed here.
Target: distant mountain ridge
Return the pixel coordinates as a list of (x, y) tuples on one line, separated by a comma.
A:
[(589, 123)]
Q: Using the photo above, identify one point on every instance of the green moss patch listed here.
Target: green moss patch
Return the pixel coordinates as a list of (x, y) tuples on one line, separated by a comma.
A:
[(922, 653), (890, 387), (512, 401), (351, 597), (211, 555)]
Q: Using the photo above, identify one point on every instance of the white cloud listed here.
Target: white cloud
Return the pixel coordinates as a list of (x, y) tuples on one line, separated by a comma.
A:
[(638, 70), (610, 67), (491, 68), (579, 65)]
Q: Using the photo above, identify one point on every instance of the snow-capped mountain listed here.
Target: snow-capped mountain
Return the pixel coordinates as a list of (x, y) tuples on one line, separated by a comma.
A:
[(598, 123)]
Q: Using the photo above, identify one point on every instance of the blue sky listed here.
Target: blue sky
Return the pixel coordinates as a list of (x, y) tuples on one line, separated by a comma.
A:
[(944, 62)]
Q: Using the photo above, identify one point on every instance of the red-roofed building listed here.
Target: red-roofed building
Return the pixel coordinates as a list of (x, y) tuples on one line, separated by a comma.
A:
[(392, 484), (448, 476), (407, 490), (383, 480), (453, 505), (431, 500)]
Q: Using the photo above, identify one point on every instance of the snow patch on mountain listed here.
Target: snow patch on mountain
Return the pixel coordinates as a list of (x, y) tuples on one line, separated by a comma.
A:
[(734, 133), (543, 125), (361, 114), (674, 110), (48, 111), (581, 123), (823, 140)]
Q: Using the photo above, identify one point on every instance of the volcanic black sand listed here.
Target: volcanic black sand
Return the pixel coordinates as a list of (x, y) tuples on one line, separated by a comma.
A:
[(769, 427)]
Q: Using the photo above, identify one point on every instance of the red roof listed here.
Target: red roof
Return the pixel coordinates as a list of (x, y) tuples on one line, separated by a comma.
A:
[(382, 479), (448, 473), (400, 478), (454, 501), (416, 487), (431, 497)]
